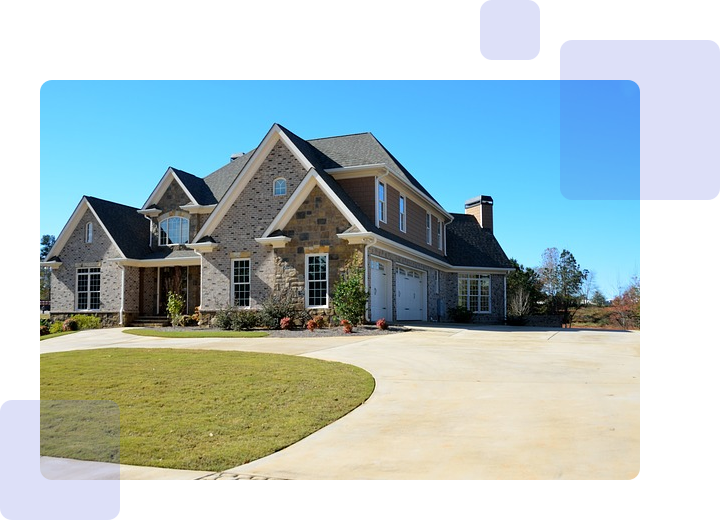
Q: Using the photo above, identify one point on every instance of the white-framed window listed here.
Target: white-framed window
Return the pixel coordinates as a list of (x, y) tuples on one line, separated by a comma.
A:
[(439, 234), (89, 233), (174, 230), (437, 282), (382, 217), (241, 282), (428, 228), (316, 280), (403, 211), (88, 289), (279, 187), (474, 292)]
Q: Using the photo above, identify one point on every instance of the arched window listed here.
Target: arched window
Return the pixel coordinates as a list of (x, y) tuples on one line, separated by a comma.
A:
[(88, 233), (280, 187), (174, 230)]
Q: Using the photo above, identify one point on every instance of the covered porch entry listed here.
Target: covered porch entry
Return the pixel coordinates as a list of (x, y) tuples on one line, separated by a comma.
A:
[(156, 283)]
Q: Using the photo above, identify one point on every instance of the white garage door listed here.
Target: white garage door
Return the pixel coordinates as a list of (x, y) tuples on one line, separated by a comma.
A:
[(409, 294), (379, 291)]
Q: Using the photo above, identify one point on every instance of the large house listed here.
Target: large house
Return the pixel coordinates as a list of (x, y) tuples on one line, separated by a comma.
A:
[(284, 217)]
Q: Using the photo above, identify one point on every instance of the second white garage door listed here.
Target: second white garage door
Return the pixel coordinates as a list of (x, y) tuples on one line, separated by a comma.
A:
[(409, 294)]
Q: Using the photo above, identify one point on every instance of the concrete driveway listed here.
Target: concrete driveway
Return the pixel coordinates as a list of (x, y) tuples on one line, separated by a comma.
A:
[(456, 403)]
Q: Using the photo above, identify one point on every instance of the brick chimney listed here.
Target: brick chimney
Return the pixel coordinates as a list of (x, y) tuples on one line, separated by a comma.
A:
[(482, 209)]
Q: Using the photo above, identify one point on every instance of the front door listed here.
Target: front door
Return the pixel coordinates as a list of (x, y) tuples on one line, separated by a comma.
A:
[(173, 279)]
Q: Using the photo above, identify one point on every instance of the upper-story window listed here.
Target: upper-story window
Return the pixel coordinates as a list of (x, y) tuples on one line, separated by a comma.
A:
[(89, 233), (402, 213), (174, 230), (439, 235), (279, 187), (381, 202), (428, 228)]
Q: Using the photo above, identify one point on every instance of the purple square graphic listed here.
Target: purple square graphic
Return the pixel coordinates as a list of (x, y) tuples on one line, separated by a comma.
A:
[(679, 85), (509, 30)]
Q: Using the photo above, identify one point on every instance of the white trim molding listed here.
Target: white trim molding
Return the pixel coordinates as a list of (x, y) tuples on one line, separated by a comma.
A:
[(275, 242), (287, 212)]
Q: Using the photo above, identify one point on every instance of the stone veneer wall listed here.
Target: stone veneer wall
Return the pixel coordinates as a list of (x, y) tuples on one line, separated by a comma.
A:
[(248, 218), (313, 229)]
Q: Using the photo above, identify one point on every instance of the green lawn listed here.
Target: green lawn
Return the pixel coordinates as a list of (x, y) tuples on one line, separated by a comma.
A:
[(190, 409), (57, 334), (160, 333)]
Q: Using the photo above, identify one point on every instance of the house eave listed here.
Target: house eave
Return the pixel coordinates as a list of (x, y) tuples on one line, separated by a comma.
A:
[(198, 209), (275, 242), (203, 247), (358, 238), (151, 212), (51, 265), (157, 262)]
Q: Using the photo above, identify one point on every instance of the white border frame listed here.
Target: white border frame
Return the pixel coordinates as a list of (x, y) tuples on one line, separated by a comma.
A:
[(327, 281), (232, 282)]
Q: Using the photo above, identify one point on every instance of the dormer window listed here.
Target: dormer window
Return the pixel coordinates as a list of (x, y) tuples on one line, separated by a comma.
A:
[(381, 202), (174, 230), (89, 233), (402, 213), (279, 187)]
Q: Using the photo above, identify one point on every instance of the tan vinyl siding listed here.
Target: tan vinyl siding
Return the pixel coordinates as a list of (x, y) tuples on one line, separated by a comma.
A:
[(414, 220), (362, 191)]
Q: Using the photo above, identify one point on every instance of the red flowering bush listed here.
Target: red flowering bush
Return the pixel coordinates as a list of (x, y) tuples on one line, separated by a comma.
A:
[(381, 324), (347, 326), (286, 323), (311, 325)]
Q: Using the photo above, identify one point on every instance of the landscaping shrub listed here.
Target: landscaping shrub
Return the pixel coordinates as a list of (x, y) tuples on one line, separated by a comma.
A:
[(275, 308), (86, 321), (286, 323), (347, 326), (460, 314), (175, 306), (319, 321), (244, 319), (69, 324), (57, 326), (381, 324), (223, 319), (311, 325), (349, 296), (44, 330)]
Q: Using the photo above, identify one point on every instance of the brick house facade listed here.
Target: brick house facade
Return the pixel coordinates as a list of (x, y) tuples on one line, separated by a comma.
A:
[(287, 216)]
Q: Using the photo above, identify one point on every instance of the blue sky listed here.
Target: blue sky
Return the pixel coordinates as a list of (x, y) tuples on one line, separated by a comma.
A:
[(114, 140)]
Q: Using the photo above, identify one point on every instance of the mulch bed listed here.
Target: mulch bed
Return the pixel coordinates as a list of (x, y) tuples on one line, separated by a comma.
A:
[(362, 330)]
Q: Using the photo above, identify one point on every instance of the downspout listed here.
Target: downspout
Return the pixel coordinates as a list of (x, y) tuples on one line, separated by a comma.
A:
[(122, 294), (372, 242), (505, 297)]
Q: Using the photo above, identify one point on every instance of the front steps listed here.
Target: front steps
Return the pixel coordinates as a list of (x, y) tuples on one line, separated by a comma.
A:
[(151, 321)]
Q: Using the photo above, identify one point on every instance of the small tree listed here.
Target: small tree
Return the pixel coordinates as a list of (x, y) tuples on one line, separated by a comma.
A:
[(598, 299), (175, 306), (46, 243), (626, 306), (349, 296)]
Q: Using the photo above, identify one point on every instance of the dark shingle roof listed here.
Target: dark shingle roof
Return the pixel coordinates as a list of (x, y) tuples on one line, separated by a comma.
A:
[(470, 245), (126, 226), (197, 187), (353, 150), (220, 180)]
